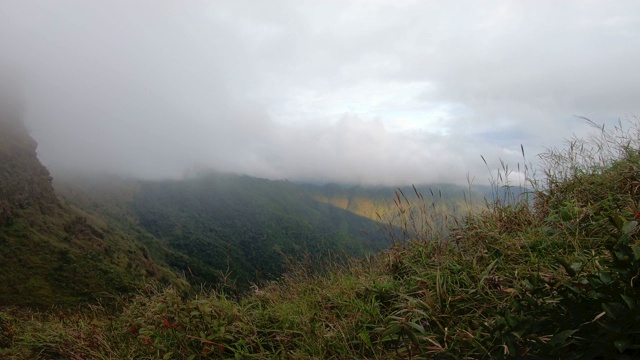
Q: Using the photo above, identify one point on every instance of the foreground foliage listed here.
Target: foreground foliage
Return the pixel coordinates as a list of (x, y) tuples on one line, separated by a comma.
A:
[(553, 278)]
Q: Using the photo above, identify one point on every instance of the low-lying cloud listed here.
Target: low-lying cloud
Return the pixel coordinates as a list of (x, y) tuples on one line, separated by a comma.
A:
[(375, 92)]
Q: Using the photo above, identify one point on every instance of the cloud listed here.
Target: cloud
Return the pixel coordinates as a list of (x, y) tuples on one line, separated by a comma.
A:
[(375, 92)]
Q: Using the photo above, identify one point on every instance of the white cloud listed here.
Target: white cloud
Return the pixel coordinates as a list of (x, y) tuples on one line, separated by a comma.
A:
[(373, 92)]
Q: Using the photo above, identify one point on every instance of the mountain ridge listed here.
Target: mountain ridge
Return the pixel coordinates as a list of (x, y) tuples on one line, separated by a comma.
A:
[(216, 223)]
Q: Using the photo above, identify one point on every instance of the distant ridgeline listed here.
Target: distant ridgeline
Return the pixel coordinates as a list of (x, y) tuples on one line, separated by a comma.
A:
[(219, 227), (215, 227), (49, 252), (380, 203)]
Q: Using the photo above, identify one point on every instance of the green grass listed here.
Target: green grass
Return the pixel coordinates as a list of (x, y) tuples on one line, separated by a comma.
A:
[(552, 276)]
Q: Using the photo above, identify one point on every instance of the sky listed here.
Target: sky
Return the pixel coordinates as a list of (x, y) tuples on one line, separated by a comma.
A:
[(358, 92)]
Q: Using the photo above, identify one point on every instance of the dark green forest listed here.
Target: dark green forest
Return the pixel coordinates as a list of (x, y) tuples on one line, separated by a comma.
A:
[(217, 227), (248, 226)]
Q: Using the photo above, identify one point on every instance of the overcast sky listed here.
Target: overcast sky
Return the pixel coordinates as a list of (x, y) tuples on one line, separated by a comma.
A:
[(372, 92)]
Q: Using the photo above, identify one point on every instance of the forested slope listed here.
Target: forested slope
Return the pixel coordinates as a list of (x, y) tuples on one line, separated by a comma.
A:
[(217, 227)]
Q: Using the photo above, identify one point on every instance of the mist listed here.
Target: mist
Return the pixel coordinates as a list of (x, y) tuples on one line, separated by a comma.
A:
[(358, 92)]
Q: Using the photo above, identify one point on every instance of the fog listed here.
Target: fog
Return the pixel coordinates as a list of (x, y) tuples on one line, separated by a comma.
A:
[(359, 92)]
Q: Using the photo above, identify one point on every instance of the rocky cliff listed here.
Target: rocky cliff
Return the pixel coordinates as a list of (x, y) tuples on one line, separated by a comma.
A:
[(25, 184), (52, 253)]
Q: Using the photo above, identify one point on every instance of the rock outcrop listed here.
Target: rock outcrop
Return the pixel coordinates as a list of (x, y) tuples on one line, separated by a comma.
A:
[(25, 184), (52, 253)]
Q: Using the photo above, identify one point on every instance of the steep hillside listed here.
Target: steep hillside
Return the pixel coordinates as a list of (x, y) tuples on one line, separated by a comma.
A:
[(216, 227), (50, 253), (26, 184)]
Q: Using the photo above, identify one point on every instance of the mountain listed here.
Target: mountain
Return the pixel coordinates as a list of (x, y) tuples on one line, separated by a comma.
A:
[(51, 253), (215, 226)]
